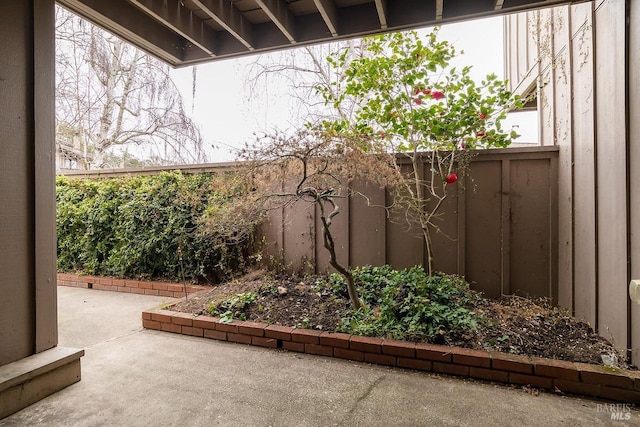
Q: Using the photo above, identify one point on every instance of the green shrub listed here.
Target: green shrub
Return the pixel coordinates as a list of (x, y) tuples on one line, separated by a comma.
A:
[(234, 307), (174, 226), (409, 304)]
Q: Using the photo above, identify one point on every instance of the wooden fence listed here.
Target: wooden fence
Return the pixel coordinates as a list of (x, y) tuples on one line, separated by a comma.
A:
[(498, 227)]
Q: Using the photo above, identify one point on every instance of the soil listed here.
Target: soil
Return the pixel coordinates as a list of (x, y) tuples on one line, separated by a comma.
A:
[(515, 324)]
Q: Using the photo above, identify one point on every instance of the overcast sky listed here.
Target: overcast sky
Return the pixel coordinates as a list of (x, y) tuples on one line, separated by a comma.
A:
[(228, 113)]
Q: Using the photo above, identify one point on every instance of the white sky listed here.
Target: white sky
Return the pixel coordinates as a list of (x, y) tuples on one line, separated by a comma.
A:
[(229, 114)]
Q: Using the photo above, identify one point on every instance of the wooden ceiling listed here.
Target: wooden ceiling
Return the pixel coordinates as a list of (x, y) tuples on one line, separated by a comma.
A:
[(185, 32)]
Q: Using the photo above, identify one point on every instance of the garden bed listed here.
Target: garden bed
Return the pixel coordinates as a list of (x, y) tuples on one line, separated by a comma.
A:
[(299, 315), (514, 325)]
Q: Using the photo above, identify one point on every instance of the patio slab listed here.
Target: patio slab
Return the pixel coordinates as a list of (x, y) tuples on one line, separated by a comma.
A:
[(137, 377)]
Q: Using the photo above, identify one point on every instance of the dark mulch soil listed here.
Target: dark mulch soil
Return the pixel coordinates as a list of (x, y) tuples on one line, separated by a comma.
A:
[(514, 324)]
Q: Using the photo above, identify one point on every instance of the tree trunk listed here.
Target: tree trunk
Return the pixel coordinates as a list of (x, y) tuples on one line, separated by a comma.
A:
[(330, 246)]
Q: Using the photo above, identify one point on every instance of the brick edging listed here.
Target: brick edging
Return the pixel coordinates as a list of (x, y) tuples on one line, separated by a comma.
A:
[(567, 377), (164, 289)]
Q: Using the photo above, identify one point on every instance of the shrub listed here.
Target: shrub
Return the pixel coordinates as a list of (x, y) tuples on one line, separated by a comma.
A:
[(409, 304), (174, 226)]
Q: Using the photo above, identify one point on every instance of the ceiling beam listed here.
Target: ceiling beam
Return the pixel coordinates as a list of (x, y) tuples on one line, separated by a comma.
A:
[(328, 11), (133, 25), (439, 9), (381, 7), (230, 18), (279, 13), (498, 4), (180, 19)]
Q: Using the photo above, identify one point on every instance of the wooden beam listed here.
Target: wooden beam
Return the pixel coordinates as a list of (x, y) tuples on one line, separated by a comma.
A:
[(279, 13), (173, 14), (230, 18), (381, 8), (498, 4), (439, 9), (131, 24), (327, 10)]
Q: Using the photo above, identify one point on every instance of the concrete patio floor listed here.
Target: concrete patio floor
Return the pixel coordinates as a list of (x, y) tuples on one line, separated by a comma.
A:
[(135, 377)]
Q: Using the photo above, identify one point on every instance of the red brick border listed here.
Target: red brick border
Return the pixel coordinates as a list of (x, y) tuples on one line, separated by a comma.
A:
[(556, 375), (164, 289)]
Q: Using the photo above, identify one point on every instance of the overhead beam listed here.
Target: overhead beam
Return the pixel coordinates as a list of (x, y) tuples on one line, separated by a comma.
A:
[(279, 13), (173, 14), (381, 8), (439, 9), (498, 4), (230, 18), (131, 24), (327, 10)]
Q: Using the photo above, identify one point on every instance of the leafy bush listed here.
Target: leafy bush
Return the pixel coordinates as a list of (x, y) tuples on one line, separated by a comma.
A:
[(233, 308), (175, 226), (409, 304)]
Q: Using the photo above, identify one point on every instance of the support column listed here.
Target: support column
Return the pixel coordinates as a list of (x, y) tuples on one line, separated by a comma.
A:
[(31, 366)]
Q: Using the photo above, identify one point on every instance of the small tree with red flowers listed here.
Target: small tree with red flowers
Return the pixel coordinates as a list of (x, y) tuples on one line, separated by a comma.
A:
[(410, 101)]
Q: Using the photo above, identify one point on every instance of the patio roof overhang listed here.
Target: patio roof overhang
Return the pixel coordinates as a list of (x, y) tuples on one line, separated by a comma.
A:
[(186, 32)]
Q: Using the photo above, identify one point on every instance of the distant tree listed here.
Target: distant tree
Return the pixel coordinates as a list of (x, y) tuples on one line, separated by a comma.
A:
[(302, 71), (111, 97)]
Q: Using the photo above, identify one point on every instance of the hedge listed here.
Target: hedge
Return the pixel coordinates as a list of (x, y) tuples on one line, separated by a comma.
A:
[(173, 226)]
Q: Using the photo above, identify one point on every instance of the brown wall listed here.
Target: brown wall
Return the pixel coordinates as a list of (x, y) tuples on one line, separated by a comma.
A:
[(27, 211), (499, 229), (588, 57)]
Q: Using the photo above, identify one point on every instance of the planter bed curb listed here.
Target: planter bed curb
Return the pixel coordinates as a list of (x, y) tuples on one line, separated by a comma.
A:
[(555, 375), (163, 289)]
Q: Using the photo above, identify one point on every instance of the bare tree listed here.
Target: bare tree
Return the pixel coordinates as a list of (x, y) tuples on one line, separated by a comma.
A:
[(310, 77), (112, 98), (315, 167)]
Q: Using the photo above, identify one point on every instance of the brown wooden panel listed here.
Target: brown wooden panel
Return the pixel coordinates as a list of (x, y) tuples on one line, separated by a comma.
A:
[(367, 227), (532, 35), (634, 173), (445, 236), (270, 237), (584, 213), (546, 52), (530, 227), (563, 138), (299, 237), (404, 242), (17, 305), (611, 170), (483, 227), (522, 52), (45, 198), (339, 230)]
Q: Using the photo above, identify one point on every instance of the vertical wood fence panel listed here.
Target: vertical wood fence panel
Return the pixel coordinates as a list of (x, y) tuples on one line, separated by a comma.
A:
[(496, 229), (483, 228)]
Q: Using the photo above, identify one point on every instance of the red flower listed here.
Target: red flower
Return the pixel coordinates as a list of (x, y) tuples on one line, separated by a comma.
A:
[(451, 178), (417, 101), (436, 94), (418, 90), (463, 145), (482, 116), (480, 134), (383, 135), (426, 91)]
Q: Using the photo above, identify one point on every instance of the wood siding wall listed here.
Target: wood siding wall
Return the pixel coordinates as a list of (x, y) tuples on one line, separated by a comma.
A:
[(28, 308), (587, 58), (499, 229)]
